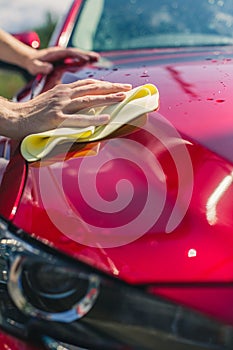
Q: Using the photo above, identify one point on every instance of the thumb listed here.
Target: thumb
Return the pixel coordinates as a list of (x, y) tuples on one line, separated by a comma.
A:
[(39, 67)]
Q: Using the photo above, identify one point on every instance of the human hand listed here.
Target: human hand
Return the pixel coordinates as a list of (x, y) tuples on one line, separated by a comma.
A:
[(60, 106), (41, 61)]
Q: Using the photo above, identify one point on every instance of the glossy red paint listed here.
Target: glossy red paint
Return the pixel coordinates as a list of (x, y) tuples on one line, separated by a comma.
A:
[(8, 342), (11, 185), (67, 25), (193, 263), (198, 249), (30, 38)]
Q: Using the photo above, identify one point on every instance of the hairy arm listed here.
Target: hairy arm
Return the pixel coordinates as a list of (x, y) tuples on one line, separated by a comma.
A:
[(59, 107)]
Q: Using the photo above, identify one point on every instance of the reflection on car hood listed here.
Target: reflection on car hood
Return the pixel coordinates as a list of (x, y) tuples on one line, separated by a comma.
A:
[(154, 204), (195, 90)]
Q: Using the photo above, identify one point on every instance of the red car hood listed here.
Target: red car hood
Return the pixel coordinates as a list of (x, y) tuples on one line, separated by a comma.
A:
[(147, 206)]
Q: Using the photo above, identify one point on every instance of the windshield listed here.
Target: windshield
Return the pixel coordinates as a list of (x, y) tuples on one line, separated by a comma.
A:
[(104, 25)]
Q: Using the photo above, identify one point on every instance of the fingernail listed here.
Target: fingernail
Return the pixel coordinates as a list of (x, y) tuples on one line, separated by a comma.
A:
[(127, 85)]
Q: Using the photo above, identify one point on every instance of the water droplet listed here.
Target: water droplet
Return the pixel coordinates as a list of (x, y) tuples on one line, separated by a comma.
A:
[(192, 253), (144, 74)]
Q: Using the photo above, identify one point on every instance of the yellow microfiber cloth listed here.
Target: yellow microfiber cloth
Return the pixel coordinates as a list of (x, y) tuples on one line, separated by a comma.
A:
[(138, 101)]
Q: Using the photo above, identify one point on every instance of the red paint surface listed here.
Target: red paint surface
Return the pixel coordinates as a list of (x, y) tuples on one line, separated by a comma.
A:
[(12, 184), (156, 256), (29, 38), (196, 97), (69, 20), (206, 229), (8, 342)]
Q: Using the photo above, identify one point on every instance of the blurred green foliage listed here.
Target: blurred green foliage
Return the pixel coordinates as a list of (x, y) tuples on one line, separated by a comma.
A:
[(11, 81), (45, 31)]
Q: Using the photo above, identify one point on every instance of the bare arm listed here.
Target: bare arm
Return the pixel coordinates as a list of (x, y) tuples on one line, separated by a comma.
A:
[(38, 61), (12, 50), (59, 106)]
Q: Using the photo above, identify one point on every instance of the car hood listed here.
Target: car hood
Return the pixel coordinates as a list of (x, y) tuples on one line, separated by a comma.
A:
[(154, 203)]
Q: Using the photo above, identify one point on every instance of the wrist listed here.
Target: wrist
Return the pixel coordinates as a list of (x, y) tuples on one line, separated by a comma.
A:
[(9, 118), (13, 51), (25, 59)]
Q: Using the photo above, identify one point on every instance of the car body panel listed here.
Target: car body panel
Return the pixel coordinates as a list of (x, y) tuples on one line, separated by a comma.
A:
[(62, 32), (11, 343), (198, 250), (192, 261), (12, 181), (29, 38)]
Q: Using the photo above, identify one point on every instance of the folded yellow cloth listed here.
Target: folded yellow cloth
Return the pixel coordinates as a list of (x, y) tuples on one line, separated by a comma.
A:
[(138, 101)]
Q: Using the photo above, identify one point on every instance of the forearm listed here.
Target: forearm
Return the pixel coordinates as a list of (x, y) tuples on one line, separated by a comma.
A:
[(6, 116), (13, 51)]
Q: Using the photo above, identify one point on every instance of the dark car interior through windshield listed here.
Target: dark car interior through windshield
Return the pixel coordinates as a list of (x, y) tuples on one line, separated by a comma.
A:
[(133, 24)]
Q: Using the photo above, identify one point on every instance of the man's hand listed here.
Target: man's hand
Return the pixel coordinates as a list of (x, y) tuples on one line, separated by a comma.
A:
[(60, 107), (38, 61), (41, 61)]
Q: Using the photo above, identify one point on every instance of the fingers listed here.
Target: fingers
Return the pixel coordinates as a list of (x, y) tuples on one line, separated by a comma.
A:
[(93, 100), (80, 120), (86, 55), (44, 57), (53, 54), (61, 105), (39, 67), (83, 82), (96, 87)]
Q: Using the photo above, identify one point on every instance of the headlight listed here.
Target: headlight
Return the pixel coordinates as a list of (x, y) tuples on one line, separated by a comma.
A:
[(64, 301)]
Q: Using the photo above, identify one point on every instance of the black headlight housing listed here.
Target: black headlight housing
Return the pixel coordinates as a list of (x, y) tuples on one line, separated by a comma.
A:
[(69, 304)]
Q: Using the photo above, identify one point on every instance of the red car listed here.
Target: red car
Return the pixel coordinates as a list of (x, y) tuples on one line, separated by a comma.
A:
[(127, 242)]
